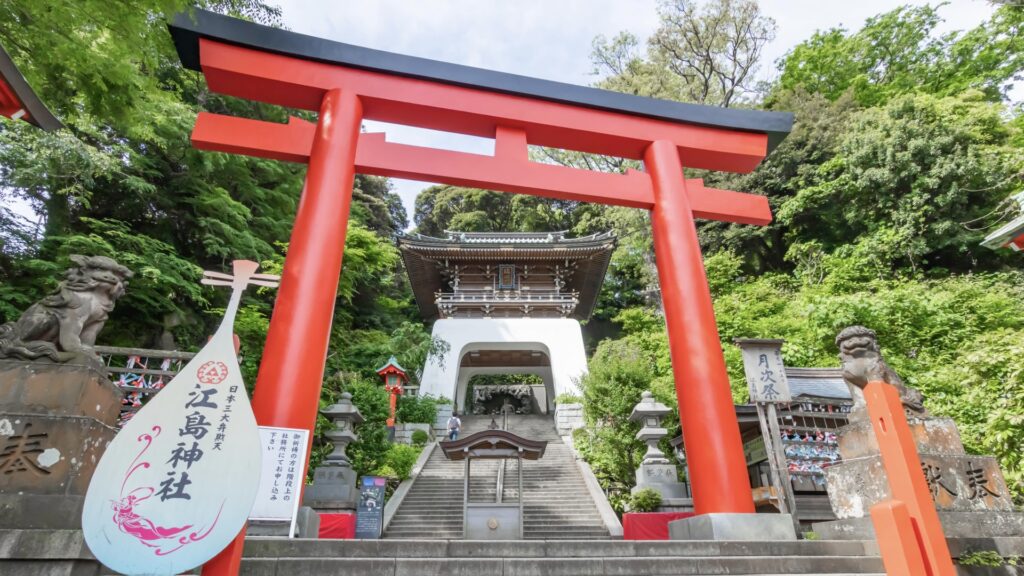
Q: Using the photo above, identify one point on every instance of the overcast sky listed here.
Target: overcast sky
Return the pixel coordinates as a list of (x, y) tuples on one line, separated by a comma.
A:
[(549, 39)]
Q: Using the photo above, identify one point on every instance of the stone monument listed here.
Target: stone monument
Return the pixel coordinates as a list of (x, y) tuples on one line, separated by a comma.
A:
[(969, 491), (334, 482), (655, 471), (57, 407)]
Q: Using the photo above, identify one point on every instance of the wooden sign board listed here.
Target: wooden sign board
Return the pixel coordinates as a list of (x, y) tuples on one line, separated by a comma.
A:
[(176, 485), (766, 373)]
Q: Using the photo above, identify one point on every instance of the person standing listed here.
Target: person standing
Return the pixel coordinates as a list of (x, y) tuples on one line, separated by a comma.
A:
[(454, 425)]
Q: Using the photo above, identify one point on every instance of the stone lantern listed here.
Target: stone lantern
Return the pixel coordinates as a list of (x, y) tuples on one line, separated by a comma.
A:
[(334, 482), (655, 471)]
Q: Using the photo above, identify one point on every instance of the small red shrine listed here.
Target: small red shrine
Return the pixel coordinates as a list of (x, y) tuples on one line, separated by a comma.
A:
[(394, 379)]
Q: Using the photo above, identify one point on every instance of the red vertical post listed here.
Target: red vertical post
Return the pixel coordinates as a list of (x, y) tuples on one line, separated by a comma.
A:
[(291, 374), (897, 540), (392, 404), (907, 483), (714, 452)]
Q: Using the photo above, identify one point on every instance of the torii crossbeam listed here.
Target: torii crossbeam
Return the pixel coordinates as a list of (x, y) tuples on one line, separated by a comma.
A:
[(347, 84)]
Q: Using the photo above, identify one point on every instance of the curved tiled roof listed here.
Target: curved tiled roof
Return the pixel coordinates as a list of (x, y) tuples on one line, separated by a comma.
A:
[(421, 255)]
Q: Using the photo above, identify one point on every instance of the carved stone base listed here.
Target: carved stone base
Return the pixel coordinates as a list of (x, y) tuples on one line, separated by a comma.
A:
[(932, 435), (958, 483), (954, 524), (660, 477), (333, 490), (55, 422)]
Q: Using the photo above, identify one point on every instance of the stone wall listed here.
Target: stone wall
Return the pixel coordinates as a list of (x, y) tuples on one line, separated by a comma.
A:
[(568, 417), (444, 412), (403, 432)]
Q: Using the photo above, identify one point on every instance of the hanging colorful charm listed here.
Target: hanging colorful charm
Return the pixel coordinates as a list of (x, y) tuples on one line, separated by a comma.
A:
[(176, 485)]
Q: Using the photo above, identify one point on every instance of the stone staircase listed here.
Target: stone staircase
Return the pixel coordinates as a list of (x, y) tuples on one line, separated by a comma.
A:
[(64, 553), (557, 504), (555, 558)]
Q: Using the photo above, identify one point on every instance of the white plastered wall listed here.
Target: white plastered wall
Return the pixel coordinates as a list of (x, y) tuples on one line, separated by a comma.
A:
[(559, 338)]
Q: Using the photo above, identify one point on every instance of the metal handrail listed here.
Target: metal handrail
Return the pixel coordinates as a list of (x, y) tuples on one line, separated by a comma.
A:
[(499, 493)]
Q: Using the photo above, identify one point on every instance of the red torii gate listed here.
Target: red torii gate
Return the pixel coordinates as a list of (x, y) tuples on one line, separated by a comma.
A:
[(347, 84)]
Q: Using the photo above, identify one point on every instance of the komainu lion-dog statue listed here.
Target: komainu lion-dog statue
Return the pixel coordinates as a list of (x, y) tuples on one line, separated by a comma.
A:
[(63, 326), (863, 363)]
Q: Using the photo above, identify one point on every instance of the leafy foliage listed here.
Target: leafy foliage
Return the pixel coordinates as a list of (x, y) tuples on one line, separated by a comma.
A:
[(898, 52), (419, 438), (619, 372), (398, 461), (416, 409), (645, 500)]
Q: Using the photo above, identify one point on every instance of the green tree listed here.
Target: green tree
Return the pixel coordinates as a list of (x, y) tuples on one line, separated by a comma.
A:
[(898, 52), (619, 372), (703, 52), (904, 178)]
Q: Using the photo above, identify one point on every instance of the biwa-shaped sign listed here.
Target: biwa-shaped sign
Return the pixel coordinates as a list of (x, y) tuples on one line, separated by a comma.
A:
[(177, 483)]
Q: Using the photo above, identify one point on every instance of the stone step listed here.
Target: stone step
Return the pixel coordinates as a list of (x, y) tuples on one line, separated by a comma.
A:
[(555, 497), (562, 566), (443, 512)]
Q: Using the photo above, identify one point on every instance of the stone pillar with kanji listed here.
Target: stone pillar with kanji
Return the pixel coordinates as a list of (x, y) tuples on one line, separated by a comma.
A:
[(968, 490)]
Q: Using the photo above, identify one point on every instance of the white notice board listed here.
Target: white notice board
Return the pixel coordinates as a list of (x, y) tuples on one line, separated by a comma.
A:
[(281, 476)]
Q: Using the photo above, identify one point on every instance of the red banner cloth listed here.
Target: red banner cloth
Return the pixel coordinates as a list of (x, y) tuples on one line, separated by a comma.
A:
[(338, 526), (649, 525)]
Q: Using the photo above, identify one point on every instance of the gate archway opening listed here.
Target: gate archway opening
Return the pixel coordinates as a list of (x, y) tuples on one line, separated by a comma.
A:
[(347, 84), (524, 359)]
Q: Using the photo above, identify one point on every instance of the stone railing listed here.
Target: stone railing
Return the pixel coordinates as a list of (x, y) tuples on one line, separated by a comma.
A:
[(140, 373), (526, 301)]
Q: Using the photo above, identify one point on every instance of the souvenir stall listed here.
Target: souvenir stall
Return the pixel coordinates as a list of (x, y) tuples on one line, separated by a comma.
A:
[(808, 427)]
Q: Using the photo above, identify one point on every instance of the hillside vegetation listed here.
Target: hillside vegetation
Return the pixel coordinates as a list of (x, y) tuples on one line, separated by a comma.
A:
[(904, 151)]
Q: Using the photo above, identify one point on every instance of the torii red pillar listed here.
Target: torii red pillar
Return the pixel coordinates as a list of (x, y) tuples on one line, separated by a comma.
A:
[(347, 83), (300, 326), (702, 383)]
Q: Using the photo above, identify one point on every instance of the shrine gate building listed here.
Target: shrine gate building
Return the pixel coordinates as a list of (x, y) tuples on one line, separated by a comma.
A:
[(506, 303)]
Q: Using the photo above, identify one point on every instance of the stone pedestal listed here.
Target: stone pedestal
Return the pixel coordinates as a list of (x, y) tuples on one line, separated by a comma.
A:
[(662, 478), (970, 493), (55, 422), (720, 526), (333, 490)]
